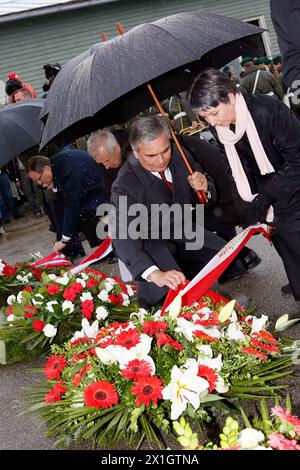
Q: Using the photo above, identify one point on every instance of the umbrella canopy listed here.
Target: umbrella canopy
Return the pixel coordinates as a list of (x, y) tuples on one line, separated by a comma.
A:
[(105, 85), (20, 128)]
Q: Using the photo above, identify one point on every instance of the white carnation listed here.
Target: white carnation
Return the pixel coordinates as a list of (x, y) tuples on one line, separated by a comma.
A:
[(11, 317), (49, 330), (11, 299), (86, 296), (103, 295), (101, 313), (67, 304), (49, 305)]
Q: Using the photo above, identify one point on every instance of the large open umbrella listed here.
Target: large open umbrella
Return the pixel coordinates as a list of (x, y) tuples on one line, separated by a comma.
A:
[(20, 128), (105, 85)]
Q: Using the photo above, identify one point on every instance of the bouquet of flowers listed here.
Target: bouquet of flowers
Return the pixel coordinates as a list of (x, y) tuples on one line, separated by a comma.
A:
[(53, 310), (131, 380), (280, 431)]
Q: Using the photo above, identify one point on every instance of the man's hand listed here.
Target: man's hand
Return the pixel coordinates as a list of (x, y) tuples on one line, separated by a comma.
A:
[(172, 279), (58, 246), (198, 181)]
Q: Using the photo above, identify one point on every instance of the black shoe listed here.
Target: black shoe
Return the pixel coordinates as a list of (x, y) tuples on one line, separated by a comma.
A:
[(231, 276), (251, 260), (286, 289)]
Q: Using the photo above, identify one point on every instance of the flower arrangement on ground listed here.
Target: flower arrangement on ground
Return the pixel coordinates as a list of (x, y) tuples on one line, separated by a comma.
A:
[(53, 310), (278, 430), (131, 380)]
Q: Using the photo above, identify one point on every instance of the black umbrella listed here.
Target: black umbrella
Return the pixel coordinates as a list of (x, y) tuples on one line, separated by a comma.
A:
[(20, 128), (105, 84)]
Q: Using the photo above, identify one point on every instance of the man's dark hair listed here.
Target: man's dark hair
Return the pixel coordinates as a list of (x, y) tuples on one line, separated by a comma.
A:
[(210, 88), (38, 163), (12, 85)]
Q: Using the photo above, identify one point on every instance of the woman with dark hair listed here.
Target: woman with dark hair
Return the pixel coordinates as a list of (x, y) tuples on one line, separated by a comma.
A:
[(260, 137)]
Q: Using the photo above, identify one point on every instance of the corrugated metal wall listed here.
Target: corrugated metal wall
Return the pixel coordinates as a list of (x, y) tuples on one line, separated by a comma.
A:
[(27, 45)]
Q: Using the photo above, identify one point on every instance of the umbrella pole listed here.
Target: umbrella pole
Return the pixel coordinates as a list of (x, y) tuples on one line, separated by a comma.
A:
[(200, 194)]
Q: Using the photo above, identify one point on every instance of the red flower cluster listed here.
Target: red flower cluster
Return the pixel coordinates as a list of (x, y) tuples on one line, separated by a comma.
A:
[(53, 289), (54, 366), (55, 393), (266, 336), (254, 352), (162, 338), (87, 308), (116, 299), (100, 394), (200, 334), (91, 282), (266, 347), (152, 327)]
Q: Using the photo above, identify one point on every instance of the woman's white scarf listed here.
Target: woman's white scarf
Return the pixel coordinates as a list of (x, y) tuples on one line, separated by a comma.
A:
[(244, 123)]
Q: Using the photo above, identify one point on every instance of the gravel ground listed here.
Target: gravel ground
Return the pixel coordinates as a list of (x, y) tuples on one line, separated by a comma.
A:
[(27, 235)]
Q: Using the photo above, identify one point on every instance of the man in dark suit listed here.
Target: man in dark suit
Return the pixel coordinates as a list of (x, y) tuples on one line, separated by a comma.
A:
[(156, 174), (75, 174)]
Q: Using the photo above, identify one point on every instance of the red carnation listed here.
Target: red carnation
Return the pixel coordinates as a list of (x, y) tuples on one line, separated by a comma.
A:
[(37, 274), (53, 289), (27, 289), (91, 282), (208, 374), (8, 271), (9, 310), (147, 389), (38, 325), (113, 299), (54, 366), (136, 369), (100, 394), (29, 311), (152, 327), (70, 294), (55, 393), (128, 339), (87, 308), (77, 287)]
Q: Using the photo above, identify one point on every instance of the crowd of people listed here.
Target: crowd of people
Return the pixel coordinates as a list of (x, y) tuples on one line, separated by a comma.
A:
[(248, 172)]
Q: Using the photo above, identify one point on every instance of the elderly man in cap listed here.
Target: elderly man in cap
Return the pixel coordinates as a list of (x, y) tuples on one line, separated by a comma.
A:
[(259, 82)]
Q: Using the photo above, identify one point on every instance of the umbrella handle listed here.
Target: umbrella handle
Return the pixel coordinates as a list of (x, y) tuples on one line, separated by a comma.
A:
[(200, 194)]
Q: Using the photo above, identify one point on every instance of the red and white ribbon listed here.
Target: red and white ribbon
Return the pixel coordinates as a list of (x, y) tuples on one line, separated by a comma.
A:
[(99, 253), (52, 261), (200, 284)]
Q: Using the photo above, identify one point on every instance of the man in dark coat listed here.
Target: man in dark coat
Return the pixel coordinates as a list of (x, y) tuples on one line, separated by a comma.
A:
[(214, 98), (155, 174), (75, 174)]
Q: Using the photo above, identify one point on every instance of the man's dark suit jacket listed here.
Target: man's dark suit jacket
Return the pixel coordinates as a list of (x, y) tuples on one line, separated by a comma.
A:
[(78, 177), (141, 186)]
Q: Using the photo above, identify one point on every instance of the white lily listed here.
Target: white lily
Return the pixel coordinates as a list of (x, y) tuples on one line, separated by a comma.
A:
[(140, 314), (214, 363), (20, 297), (249, 438), (258, 324), (105, 356), (90, 331), (234, 332), (11, 299), (186, 328), (185, 387), (220, 385)]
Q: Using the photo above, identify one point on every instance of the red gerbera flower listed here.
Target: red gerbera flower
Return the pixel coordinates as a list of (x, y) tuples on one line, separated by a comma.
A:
[(267, 347), (152, 327), (38, 325), (147, 389), (209, 374), (209, 322), (8, 271), (254, 352), (54, 366), (55, 393), (128, 339), (136, 369), (100, 394), (200, 334), (265, 335)]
